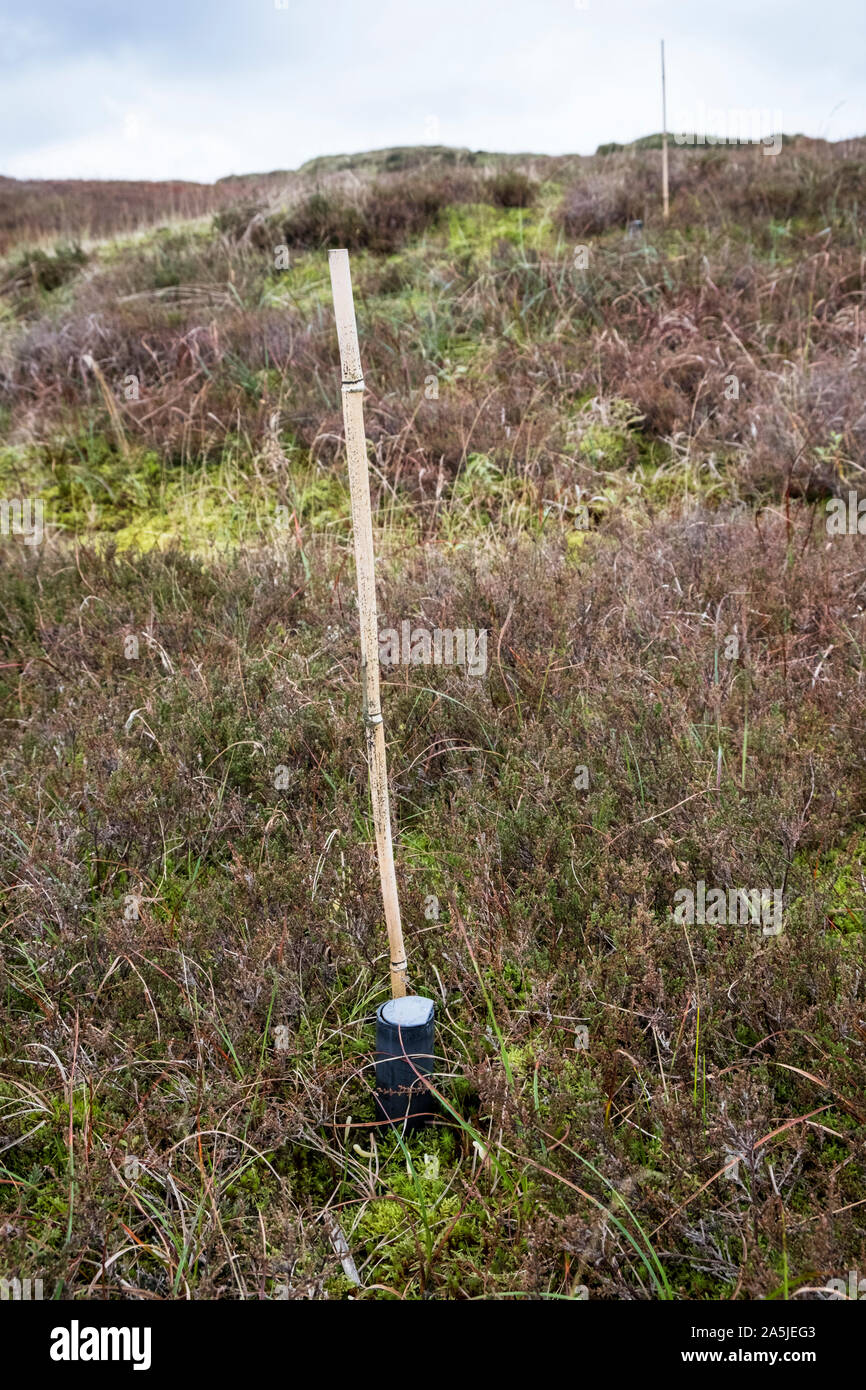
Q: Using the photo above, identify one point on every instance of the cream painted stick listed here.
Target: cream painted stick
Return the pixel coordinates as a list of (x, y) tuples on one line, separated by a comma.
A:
[(362, 529), (665, 199)]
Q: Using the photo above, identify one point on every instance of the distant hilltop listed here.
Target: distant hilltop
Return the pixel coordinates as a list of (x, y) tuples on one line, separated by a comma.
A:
[(33, 211), (403, 158)]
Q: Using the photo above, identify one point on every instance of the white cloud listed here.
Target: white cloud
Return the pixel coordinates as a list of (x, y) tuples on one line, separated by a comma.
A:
[(200, 90)]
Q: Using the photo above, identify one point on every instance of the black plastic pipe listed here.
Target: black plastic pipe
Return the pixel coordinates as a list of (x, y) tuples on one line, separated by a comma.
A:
[(404, 1056)]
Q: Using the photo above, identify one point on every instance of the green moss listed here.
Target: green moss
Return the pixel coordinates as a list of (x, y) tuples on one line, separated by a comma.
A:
[(484, 493), (325, 502), (477, 228), (838, 879), (605, 433)]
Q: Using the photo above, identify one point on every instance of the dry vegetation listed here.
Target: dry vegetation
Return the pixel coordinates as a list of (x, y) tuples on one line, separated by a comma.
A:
[(614, 468)]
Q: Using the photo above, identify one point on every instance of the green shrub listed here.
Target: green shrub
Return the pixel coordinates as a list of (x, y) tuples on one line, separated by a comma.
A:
[(511, 190), (382, 220), (49, 272)]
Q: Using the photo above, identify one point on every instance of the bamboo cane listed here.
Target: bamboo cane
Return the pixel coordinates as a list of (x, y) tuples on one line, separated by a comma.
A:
[(362, 529), (665, 199)]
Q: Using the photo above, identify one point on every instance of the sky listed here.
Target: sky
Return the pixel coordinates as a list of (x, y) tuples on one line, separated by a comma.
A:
[(198, 89)]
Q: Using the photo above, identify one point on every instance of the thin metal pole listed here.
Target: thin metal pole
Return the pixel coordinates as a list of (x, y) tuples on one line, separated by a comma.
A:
[(665, 199), (362, 529)]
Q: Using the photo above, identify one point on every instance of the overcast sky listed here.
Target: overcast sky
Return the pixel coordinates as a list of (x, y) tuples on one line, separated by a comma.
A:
[(201, 88)]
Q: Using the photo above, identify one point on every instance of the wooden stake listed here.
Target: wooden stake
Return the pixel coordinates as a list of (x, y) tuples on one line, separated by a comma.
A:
[(665, 200), (362, 529)]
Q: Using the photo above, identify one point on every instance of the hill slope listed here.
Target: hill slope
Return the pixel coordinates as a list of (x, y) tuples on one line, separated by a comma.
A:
[(611, 450)]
